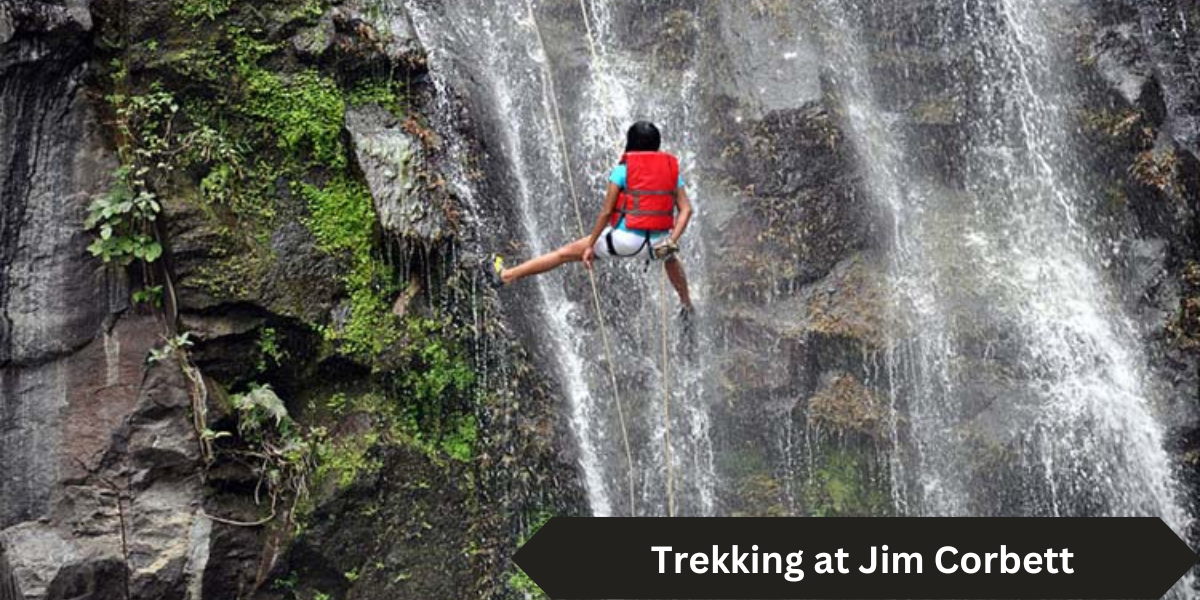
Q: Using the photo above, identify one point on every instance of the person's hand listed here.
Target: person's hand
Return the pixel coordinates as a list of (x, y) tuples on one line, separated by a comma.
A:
[(589, 255), (666, 250)]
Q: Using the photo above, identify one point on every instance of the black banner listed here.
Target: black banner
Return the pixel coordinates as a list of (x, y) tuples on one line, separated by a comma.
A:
[(863, 558)]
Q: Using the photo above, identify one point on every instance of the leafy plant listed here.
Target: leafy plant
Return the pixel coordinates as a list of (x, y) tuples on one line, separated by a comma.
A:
[(171, 347), (283, 454), (123, 220), (152, 296), (269, 350)]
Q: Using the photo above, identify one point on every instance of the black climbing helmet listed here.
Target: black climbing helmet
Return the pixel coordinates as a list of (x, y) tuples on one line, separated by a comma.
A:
[(643, 136)]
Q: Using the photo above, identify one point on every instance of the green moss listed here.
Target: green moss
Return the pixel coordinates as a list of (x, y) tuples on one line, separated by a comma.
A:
[(231, 275), (756, 492), (341, 215), (304, 111), (441, 426), (201, 9), (443, 366), (347, 458), (382, 91), (459, 443), (843, 485), (259, 133)]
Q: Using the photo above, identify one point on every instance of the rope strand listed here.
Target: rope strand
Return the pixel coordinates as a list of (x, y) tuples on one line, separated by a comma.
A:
[(666, 371), (598, 60), (612, 369), (616, 132)]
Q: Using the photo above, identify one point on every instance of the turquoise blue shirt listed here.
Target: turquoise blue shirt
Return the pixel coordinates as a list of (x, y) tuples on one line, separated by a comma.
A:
[(619, 177)]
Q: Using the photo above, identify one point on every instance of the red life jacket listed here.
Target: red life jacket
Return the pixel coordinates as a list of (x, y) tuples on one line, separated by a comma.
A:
[(648, 201)]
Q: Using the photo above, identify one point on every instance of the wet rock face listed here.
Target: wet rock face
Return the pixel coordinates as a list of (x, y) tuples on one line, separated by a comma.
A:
[(1172, 45), (52, 298), (1147, 54), (93, 444), (379, 530), (51, 161), (391, 158), (802, 212)]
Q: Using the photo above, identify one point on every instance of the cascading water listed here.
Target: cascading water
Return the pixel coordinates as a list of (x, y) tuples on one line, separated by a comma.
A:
[(1017, 384), (640, 91), (998, 282), (502, 49)]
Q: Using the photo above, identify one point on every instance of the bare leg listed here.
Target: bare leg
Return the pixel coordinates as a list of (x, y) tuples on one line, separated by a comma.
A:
[(678, 279), (572, 252)]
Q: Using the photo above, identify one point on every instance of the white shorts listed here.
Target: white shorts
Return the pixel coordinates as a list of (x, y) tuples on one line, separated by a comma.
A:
[(626, 244)]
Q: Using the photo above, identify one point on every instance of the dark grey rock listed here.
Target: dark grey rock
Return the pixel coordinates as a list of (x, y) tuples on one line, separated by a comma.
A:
[(1173, 49), (311, 43), (363, 31), (1120, 60), (7, 26), (391, 160)]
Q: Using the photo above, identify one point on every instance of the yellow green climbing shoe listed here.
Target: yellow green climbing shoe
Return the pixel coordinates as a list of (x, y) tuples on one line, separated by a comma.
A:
[(493, 269)]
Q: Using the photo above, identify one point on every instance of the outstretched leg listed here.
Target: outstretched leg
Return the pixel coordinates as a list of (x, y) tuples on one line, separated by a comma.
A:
[(572, 252), (678, 279)]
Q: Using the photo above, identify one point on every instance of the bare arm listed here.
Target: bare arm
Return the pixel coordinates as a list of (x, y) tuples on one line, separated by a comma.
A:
[(610, 205), (685, 214)]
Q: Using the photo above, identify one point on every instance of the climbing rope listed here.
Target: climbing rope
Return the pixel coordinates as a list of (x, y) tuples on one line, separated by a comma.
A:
[(612, 369), (616, 132), (667, 396)]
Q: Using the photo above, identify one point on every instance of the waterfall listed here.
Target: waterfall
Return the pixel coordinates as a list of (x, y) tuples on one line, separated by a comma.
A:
[(1016, 380), (1008, 337), (510, 63)]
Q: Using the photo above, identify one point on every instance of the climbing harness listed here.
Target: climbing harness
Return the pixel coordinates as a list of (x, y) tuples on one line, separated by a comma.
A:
[(550, 94)]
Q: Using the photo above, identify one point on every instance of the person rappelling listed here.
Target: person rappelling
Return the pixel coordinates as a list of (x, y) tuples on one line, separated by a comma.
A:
[(646, 211)]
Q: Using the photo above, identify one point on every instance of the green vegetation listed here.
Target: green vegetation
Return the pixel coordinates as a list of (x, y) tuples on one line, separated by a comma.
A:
[(347, 458), (196, 9), (123, 218), (429, 406), (303, 111), (842, 485), (343, 221), (152, 296), (172, 346), (276, 441), (227, 129), (269, 352), (255, 133), (384, 92)]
